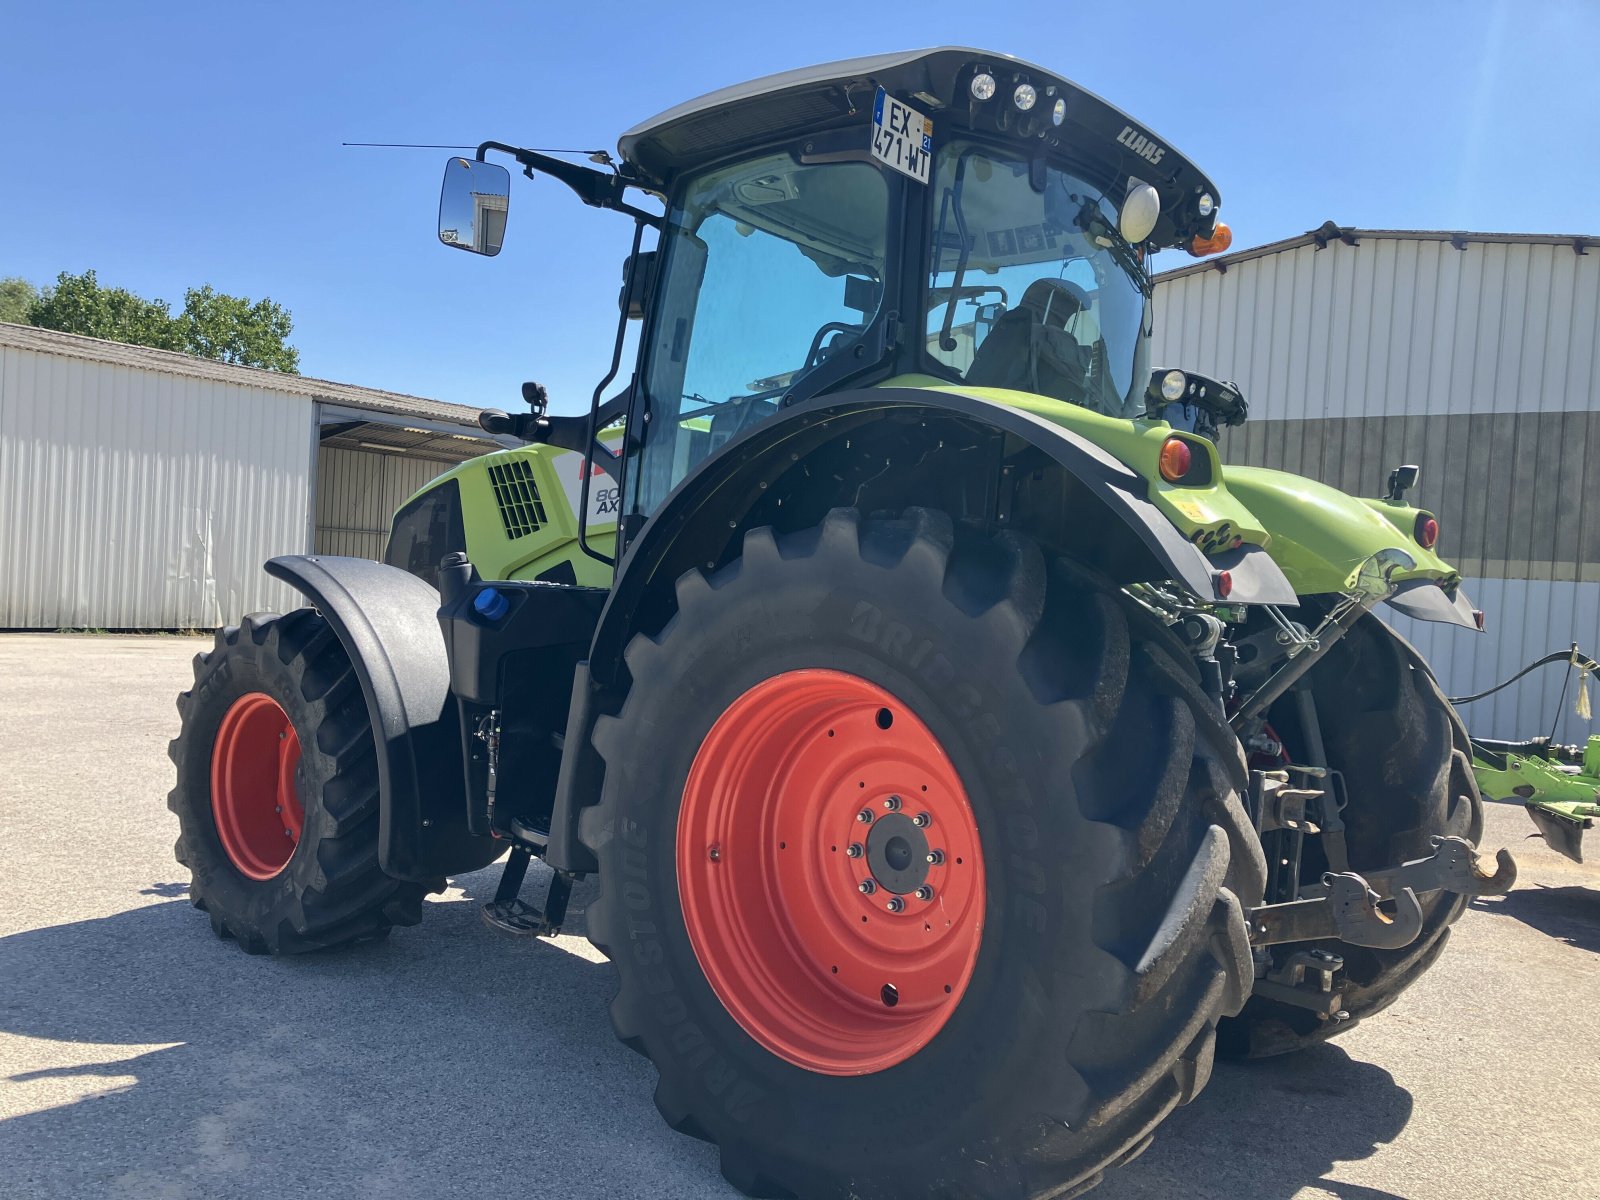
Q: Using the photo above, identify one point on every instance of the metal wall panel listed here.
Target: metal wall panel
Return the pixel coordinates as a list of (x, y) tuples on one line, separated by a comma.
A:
[(1391, 327), (134, 498), (1481, 364), (358, 492), (1527, 618)]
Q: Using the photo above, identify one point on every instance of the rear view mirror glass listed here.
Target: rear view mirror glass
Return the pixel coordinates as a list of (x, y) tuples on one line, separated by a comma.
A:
[(473, 204)]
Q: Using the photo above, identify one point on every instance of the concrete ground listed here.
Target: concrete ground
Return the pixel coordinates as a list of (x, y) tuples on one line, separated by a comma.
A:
[(141, 1057)]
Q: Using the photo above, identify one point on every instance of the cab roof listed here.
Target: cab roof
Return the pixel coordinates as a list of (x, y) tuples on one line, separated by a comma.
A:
[(838, 95)]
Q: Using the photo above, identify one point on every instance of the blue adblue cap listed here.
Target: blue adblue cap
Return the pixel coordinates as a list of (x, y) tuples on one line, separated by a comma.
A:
[(490, 604)]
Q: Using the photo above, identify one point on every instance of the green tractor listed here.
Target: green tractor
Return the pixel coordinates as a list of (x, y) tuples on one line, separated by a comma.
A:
[(964, 753)]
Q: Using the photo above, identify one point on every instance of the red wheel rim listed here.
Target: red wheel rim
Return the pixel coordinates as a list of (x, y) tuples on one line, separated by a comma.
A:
[(807, 920), (253, 796)]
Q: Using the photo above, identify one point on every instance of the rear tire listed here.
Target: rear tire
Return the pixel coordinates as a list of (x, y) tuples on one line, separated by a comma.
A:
[(1407, 768), (324, 887), (1103, 786)]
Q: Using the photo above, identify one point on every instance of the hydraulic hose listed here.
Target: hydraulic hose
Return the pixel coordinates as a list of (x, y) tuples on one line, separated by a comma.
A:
[(1573, 657)]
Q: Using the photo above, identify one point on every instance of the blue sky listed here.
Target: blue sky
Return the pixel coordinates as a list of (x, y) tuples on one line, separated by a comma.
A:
[(170, 145)]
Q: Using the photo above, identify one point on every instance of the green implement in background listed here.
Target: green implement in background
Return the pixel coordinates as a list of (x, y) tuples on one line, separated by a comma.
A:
[(1559, 785)]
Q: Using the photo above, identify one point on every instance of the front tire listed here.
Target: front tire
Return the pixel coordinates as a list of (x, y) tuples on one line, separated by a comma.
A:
[(277, 792), (1096, 932)]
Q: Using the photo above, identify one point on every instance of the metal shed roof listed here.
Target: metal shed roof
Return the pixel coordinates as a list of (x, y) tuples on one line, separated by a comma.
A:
[(348, 395), (1329, 233)]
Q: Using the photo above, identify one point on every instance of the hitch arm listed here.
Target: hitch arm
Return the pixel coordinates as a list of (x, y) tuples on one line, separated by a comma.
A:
[(1455, 866), (1348, 912), (1345, 905)]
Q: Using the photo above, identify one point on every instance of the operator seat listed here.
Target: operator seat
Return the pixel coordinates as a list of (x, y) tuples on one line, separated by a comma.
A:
[(1029, 348)]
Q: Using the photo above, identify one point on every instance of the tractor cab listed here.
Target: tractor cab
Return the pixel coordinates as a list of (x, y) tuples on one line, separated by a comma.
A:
[(950, 217)]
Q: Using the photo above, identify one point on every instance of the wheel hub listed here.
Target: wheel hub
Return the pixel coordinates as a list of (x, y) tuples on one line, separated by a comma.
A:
[(897, 854)]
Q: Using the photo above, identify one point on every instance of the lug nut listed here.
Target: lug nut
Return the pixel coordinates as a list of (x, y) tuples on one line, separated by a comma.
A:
[(896, 904), (854, 850), (864, 816), (935, 857), (866, 887), (922, 820), (924, 892), (714, 853), (892, 803)]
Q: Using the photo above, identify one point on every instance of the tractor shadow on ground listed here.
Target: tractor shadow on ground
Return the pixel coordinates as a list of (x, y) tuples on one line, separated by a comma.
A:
[(1264, 1130), (157, 1060), (1568, 914)]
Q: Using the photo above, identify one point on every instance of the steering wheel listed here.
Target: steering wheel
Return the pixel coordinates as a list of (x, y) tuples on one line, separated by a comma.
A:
[(816, 342)]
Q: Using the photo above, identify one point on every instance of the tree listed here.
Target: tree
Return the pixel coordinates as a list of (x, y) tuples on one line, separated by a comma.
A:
[(212, 324), (17, 298), (232, 329), (79, 304)]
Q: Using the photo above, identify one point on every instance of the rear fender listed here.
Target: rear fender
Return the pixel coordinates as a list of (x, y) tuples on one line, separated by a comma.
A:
[(885, 448), (387, 621)]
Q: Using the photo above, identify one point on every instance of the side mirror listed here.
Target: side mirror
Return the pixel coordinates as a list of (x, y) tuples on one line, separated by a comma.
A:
[(1401, 480), (983, 320), (472, 205), (631, 300)]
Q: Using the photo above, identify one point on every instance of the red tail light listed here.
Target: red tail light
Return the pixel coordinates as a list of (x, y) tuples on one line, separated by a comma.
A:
[(1224, 584), (1427, 531), (1176, 458)]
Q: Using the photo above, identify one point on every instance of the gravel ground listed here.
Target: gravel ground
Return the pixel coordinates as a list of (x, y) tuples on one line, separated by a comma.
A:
[(142, 1057)]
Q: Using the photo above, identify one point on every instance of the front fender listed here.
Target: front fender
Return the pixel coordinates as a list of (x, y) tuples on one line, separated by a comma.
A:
[(387, 621)]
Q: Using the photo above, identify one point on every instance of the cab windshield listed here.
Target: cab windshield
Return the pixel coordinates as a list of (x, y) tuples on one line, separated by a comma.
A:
[(1030, 284)]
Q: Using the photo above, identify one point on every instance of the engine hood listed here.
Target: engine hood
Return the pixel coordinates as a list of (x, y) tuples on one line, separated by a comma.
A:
[(1320, 537)]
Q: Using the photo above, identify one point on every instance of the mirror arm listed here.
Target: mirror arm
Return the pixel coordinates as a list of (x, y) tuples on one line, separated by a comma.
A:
[(564, 433), (571, 433), (594, 188)]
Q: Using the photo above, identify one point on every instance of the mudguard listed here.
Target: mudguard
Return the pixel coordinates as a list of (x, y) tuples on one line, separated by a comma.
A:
[(714, 488), (1427, 600), (388, 623)]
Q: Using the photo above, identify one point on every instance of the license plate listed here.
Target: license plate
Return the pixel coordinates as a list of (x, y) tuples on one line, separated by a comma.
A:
[(901, 136)]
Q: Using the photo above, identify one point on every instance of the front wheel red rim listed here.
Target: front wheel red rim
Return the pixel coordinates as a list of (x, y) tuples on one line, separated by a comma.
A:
[(830, 872), (254, 800)]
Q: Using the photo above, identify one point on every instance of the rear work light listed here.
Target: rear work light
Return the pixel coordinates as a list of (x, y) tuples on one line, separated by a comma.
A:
[(1176, 458), (1427, 531)]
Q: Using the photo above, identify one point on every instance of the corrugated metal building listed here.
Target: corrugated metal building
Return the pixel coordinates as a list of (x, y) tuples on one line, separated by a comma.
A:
[(1475, 356), (142, 489)]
